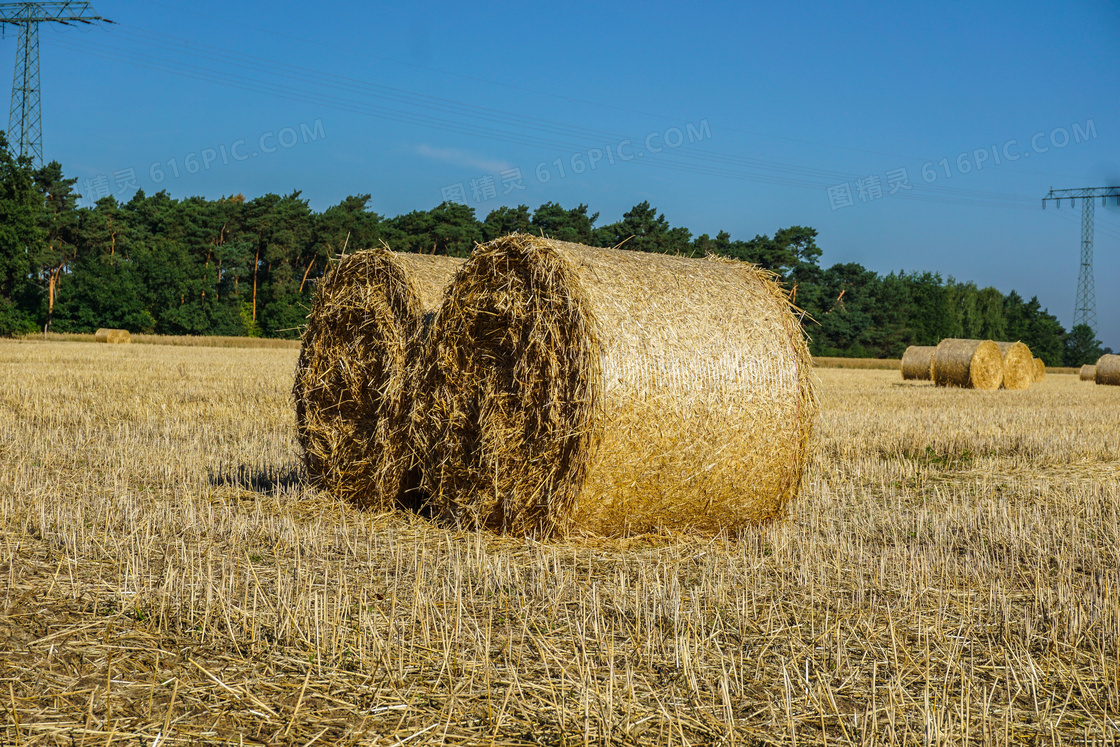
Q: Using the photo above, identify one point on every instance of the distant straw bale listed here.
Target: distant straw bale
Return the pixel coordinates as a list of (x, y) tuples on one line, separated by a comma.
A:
[(974, 364), (1088, 372), (1039, 370), (1018, 365), (917, 362), (353, 386), (112, 336), (570, 389), (1108, 370)]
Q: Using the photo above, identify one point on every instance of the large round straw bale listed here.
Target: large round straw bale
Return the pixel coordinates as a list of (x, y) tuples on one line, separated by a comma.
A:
[(1088, 372), (917, 361), (354, 381), (1108, 370), (1039, 369), (1018, 365), (112, 336), (570, 389), (975, 364)]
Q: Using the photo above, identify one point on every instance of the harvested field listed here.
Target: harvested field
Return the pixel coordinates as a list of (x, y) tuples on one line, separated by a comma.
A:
[(885, 364), (207, 341), (949, 576)]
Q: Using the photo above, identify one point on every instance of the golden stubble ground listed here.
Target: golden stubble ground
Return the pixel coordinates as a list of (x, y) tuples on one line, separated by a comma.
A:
[(951, 574)]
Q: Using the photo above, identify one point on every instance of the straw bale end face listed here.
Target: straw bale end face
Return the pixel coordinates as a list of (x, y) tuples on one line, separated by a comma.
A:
[(972, 364), (353, 382), (575, 390), (509, 373), (1018, 365), (1088, 372), (1039, 370), (1107, 370)]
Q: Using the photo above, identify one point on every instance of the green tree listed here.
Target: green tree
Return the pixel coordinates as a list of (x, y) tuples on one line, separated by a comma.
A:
[(505, 220), (59, 219), (1040, 330), (962, 299), (1082, 346), (846, 325), (890, 304), (21, 234), (703, 245), (449, 228), (641, 229), (348, 226), (283, 228), (555, 222), (931, 318), (103, 288)]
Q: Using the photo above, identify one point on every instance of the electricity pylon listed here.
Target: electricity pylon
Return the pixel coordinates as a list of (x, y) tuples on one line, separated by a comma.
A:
[(1085, 306), (25, 120)]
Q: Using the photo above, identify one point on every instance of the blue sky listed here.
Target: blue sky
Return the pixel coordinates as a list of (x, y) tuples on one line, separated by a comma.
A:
[(914, 136)]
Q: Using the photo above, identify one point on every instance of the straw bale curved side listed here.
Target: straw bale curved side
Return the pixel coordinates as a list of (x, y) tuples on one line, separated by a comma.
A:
[(354, 380), (1039, 370), (1108, 370), (1088, 372), (917, 362), (974, 364), (112, 336), (1018, 365), (570, 389)]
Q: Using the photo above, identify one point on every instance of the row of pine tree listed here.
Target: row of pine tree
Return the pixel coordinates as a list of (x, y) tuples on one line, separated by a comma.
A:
[(237, 266)]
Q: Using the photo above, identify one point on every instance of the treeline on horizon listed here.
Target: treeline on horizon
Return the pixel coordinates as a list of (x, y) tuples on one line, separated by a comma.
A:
[(249, 267)]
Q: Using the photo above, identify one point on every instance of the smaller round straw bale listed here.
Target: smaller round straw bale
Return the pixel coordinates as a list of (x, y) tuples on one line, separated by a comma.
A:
[(1039, 369), (917, 362), (113, 336), (354, 385), (973, 364), (1108, 370), (1088, 372), (1018, 365)]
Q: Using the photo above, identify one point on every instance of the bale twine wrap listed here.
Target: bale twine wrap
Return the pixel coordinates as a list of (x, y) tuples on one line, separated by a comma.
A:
[(1088, 372), (1108, 370), (974, 364), (917, 362), (1018, 365), (354, 381), (1039, 370), (570, 389), (112, 336)]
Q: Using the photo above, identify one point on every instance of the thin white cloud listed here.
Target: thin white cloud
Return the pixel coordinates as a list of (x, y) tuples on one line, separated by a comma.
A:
[(464, 158)]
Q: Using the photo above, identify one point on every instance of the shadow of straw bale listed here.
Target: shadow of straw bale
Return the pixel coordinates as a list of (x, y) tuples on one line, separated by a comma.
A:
[(261, 480)]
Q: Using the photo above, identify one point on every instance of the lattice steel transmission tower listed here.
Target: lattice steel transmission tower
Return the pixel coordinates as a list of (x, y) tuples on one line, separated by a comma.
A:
[(1085, 306), (25, 120)]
